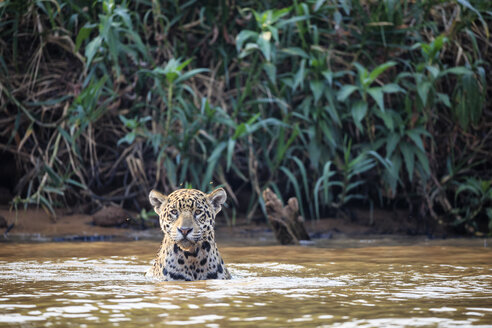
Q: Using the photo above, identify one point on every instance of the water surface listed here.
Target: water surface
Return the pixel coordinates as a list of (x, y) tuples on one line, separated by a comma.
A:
[(376, 284)]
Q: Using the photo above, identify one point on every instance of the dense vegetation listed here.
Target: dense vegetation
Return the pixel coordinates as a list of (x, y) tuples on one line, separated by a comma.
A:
[(337, 102)]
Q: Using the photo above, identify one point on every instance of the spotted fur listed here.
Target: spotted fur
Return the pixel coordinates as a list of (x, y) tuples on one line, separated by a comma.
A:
[(188, 250)]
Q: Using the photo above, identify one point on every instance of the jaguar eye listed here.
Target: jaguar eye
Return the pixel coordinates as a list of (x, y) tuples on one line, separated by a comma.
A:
[(198, 212), (174, 212)]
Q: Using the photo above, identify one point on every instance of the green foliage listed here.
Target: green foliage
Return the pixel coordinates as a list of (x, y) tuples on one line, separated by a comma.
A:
[(334, 102), (476, 196)]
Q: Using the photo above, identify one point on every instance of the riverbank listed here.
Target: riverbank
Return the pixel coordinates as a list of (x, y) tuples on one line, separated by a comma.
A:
[(37, 225)]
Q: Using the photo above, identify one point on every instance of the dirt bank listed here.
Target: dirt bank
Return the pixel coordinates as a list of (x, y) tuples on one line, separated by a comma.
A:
[(36, 224)]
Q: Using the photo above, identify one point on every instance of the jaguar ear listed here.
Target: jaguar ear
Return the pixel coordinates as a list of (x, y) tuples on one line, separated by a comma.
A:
[(217, 198), (157, 200)]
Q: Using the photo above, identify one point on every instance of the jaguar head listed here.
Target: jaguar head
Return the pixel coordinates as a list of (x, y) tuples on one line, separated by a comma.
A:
[(187, 216)]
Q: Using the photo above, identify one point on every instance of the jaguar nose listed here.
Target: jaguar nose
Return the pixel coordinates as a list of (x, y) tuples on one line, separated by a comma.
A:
[(184, 231)]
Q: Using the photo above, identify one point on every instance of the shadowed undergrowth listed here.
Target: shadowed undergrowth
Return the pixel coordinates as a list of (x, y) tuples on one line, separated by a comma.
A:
[(375, 103)]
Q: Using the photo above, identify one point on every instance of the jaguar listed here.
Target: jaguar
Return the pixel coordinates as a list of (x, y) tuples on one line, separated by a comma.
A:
[(188, 250)]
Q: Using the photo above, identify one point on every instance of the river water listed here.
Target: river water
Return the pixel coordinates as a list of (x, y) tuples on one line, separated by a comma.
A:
[(362, 283)]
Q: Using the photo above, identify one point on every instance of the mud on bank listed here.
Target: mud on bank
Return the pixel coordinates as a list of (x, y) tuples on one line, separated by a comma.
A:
[(37, 225)]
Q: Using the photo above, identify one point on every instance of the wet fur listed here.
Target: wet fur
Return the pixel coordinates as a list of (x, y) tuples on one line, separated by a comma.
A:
[(195, 257)]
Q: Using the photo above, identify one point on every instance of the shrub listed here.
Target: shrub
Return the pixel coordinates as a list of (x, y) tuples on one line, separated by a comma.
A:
[(334, 102)]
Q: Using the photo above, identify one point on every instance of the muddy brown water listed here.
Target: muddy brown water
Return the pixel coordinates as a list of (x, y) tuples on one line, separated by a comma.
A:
[(350, 283)]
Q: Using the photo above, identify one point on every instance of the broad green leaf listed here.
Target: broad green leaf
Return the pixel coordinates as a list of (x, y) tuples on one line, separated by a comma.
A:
[(180, 66), (274, 33), (408, 157), (416, 138), (392, 88), (466, 3), (337, 17), (328, 76), (363, 74), (129, 138), (346, 91), (291, 20), (384, 161), (324, 179), (314, 151), (84, 33), (327, 174), (276, 14), (391, 143), (230, 151), (217, 152), (76, 184), (444, 98), (423, 91), (253, 118), (302, 169), (458, 70), (65, 135), (53, 190), (379, 70), (248, 49), (240, 130), (434, 71), (47, 205), (294, 51), (355, 184), (387, 117), (327, 132), (299, 77), (346, 5), (377, 94), (423, 160), (316, 197), (332, 106), (271, 71), (265, 48), (92, 48), (190, 74), (318, 5), (364, 164), (317, 88), (358, 111), (52, 174), (467, 187), (468, 101), (244, 36), (392, 176)]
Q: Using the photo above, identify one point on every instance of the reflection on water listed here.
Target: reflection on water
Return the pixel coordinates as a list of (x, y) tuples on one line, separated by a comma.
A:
[(80, 284)]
